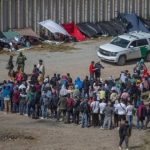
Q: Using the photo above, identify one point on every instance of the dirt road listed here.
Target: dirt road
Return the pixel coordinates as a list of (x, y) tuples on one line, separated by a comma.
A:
[(22, 133), (75, 61)]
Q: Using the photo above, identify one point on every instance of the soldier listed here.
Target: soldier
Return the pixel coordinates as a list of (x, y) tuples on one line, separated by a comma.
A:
[(21, 61), (10, 65)]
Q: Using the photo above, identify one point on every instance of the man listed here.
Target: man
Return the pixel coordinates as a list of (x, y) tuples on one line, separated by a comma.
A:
[(129, 111), (84, 108), (86, 86), (62, 106), (41, 67), (121, 109), (98, 67), (10, 65), (108, 112), (102, 106), (95, 112), (69, 105), (91, 71), (141, 114), (124, 134), (147, 117), (21, 61)]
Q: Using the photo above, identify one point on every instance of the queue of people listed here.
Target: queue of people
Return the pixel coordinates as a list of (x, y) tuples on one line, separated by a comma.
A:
[(108, 104)]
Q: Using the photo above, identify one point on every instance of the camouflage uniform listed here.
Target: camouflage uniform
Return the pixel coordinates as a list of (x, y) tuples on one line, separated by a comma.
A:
[(21, 62)]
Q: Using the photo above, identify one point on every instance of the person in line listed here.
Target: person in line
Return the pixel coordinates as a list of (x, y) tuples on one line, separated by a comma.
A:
[(121, 109), (141, 114), (147, 117), (102, 106), (130, 112), (84, 108), (95, 112), (108, 111), (69, 105)]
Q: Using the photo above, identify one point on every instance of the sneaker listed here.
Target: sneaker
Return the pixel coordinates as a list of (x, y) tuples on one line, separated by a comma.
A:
[(26, 115), (42, 118), (120, 147), (127, 149)]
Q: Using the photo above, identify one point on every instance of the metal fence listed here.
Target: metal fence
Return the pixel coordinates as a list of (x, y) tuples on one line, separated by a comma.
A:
[(27, 13)]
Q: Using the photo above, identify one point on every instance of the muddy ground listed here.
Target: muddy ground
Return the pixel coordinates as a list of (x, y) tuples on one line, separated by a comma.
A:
[(22, 133)]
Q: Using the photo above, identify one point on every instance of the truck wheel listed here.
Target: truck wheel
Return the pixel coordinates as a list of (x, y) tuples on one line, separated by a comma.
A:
[(148, 57), (121, 60)]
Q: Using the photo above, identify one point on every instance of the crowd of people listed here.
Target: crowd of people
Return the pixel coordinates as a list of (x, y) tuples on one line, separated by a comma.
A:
[(108, 104)]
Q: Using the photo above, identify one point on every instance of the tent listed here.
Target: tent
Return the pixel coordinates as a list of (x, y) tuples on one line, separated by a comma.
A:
[(53, 27), (85, 29), (133, 22), (10, 35), (1, 35), (94, 27), (73, 30), (26, 32)]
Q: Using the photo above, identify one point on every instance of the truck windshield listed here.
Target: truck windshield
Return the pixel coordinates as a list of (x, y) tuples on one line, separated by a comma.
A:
[(120, 42)]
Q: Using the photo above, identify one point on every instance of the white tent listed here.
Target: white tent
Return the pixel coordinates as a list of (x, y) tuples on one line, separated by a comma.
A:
[(53, 27)]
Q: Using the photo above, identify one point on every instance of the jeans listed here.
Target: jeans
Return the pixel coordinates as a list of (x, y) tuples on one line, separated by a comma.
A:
[(107, 121), (102, 116), (22, 107), (130, 120), (30, 109), (15, 108), (84, 120), (140, 122), (44, 110)]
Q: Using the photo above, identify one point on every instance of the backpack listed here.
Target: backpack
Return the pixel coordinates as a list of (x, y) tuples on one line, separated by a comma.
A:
[(84, 107), (20, 60)]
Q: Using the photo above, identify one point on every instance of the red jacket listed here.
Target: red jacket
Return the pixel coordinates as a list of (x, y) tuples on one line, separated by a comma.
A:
[(91, 69)]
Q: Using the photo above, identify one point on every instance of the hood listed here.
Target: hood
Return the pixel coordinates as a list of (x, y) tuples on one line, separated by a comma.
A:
[(112, 48)]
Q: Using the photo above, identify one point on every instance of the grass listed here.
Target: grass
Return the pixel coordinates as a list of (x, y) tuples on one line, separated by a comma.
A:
[(54, 48)]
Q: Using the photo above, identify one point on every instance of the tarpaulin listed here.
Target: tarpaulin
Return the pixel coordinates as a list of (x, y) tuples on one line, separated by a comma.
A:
[(85, 29), (53, 27), (1, 35), (133, 22), (10, 35), (73, 30), (94, 27), (26, 32)]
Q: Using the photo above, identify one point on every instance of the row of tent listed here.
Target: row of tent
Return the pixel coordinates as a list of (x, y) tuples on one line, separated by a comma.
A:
[(122, 24)]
